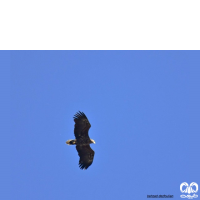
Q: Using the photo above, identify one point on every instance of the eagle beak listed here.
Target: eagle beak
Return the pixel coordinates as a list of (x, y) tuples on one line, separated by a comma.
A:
[(93, 141)]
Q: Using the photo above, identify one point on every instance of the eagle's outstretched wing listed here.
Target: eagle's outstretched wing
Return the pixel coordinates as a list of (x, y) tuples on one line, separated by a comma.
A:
[(82, 125), (86, 155)]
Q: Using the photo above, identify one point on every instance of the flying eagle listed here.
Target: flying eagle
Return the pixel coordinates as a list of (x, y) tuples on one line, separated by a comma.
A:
[(82, 141)]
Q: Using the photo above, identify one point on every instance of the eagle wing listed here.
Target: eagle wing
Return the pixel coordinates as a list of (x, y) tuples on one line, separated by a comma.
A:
[(86, 155), (82, 125)]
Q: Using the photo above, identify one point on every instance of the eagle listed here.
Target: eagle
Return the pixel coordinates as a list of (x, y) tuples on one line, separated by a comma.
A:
[(82, 141)]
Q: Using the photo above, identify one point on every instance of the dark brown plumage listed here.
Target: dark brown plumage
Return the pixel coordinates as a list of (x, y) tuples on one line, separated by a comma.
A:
[(82, 141)]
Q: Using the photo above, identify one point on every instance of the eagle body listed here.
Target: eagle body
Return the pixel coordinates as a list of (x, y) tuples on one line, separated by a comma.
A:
[(82, 141)]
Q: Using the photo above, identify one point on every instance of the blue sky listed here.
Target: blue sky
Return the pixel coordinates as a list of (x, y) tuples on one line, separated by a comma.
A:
[(144, 115)]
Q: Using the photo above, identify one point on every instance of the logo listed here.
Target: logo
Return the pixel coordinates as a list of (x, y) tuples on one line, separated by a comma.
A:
[(192, 188)]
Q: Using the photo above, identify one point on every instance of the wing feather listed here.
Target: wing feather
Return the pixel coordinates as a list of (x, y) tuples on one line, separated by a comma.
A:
[(82, 125), (86, 155)]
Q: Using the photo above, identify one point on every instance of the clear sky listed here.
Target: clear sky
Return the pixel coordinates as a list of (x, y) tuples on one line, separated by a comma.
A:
[(144, 113)]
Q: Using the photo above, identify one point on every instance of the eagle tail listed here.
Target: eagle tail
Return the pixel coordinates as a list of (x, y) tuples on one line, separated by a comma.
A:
[(71, 142)]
